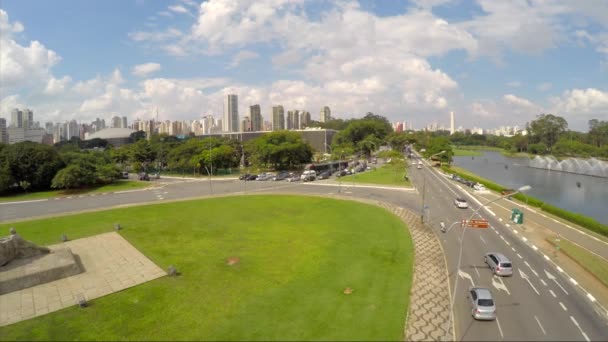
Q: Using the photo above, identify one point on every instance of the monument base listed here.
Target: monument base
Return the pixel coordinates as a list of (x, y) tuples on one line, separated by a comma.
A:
[(24, 273)]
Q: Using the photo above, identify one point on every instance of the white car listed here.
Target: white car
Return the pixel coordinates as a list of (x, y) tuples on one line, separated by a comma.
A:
[(479, 187), (419, 166), (461, 203)]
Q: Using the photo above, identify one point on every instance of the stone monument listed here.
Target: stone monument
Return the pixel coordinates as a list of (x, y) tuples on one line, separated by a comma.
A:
[(23, 264)]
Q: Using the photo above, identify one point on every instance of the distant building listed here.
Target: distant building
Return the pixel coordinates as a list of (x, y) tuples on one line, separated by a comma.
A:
[(245, 124), (325, 114), (278, 118), (255, 114), (124, 122), (3, 132), (115, 136), (289, 122), (23, 128), (116, 122), (231, 113), (304, 119)]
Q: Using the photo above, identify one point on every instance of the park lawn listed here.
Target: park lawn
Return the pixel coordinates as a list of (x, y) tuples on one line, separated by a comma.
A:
[(388, 174), (466, 153), (120, 185), (297, 256), (594, 264)]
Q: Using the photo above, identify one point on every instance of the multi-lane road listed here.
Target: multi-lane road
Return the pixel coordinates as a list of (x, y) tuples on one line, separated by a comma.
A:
[(539, 302)]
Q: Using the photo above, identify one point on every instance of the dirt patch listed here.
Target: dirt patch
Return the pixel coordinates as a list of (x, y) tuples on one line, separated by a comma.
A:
[(233, 261), (348, 291)]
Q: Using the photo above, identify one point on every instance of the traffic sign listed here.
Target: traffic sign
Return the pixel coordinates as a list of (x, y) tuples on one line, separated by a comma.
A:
[(478, 223)]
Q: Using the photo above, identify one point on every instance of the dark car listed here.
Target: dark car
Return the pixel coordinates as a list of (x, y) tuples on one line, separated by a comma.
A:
[(244, 176), (324, 175), (144, 177), (294, 177), (125, 175), (251, 177), (283, 175)]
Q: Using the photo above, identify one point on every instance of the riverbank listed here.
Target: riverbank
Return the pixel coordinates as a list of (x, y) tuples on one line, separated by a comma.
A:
[(578, 219)]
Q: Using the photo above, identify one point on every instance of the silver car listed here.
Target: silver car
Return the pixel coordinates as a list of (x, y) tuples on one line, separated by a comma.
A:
[(499, 264), (482, 304)]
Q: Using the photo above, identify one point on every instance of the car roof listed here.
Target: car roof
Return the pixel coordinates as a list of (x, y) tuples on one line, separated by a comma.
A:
[(482, 292), (501, 257), (460, 199)]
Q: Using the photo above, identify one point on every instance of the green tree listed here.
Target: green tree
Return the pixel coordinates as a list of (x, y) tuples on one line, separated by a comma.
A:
[(6, 178), (547, 128), (34, 163), (74, 176), (598, 132), (438, 144), (143, 153), (281, 149)]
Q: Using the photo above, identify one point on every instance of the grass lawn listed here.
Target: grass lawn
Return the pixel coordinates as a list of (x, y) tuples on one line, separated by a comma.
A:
[(297, 255), (464, 153), (388, 174), (589, 261), (120, 185)]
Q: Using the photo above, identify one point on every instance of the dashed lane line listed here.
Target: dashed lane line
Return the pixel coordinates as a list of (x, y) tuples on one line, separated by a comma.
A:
[(573, 281), (543, 282), (540, 325), (484, 241), (563, 306), (499, 328), (519, 256), (553, 293), (591, 298), (579, 328), (513, 249), (31, 201)]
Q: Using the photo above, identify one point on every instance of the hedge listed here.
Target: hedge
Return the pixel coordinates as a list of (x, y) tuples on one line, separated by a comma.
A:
[(581, 220)]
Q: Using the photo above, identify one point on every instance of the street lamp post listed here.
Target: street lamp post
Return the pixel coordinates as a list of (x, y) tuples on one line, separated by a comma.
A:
[(521, 189), (424, 190), (339, 174)]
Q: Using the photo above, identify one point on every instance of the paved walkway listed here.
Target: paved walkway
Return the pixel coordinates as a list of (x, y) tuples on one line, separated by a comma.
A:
[(112, 264)]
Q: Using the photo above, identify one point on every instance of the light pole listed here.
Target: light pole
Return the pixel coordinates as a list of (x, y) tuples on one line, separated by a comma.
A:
[(339, 172), (521, 189), (424, 189)]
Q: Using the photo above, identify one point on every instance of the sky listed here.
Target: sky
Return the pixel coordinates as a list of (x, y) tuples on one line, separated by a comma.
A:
[(492, 63)]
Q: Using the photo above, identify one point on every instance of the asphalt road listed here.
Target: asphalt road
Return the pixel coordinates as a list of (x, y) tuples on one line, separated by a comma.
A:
[(537, 303)]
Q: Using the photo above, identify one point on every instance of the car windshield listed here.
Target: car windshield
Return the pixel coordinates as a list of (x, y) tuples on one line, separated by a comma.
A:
[(505, 264), (485, 302)]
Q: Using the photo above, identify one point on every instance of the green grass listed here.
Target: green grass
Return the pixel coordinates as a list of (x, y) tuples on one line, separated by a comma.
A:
[(388, 174), (589, 261), (117, 186), (297, 255)]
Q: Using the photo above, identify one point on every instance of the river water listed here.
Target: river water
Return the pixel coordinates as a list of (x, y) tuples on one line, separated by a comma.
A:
[(554, 187)]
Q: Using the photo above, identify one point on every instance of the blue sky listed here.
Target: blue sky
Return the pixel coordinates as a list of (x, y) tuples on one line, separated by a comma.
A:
[(492, 63)]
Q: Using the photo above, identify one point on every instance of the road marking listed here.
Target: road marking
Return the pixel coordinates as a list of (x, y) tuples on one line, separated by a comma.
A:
[(523, 238), (492, 227), (525, 276), (160, 198), (532, 210), (553, 293), (543, 215), (30, 201), (500, 219), (573, 281), (476, 271), (552, 277), (591, 298), (491, 212), (556, 221), (69, 197), (499, 328), (508, 243), (508, 225), (546, 257), (465, 275), (534, 247), (579, 328), (81, 196), (500, 285), (503, 238), (484, 241), (519, 256), (569, 226), (543, 282), (513, 248), (563, 306), (497, 233), (515, 231), (540, 325), (531, 269)]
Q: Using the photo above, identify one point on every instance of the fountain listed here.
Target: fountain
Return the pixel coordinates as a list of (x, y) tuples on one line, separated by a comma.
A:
[(589, 167)]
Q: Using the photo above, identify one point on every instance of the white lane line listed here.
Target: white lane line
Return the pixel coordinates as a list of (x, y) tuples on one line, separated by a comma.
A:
[(591, 298), (523, 238), (476, 271), (534, 247), (503, 238), (563, 306), (492, 227), (500, 285), (525, 277), (490, 211), (500, 219), (546, 257), (543, 282), (69, 197), (532, 210), (531, 269), (552, 277), (508, 243), (484, 241), (508, 225), (81, 196), (543, 215), (540, 325), (515, 231), (556, 221), (573, 281), (560, 269), (497, 233), (513, 248), (519, 256), (553, 293), (30, 201), (579, 328), (500, 329)]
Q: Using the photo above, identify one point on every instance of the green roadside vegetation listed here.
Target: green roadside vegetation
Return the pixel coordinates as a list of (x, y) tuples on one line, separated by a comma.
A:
[(581, 220), (296, 256), (392, 173), (592, 263), (117, 186), (480, 148)]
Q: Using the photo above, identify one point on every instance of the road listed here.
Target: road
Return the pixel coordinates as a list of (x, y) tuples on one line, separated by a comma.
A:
[(537, 303)]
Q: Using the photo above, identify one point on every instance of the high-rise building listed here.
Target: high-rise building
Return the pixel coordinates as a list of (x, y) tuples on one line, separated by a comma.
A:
[(246, 124), (231, 113), (124, 122), (452, 123), (304, 119), (278, 118), (3, 133), (116, 122), (256, 118), (296, 119), (325, 114), (289, 120), (28, 118), (73, 130), (16, 118)]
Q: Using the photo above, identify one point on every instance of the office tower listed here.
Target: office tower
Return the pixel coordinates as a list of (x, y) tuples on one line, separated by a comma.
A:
[(16, 118), (325, 114), (256, 118), (452, 123), (72, 130), (278, 118), (3, 133), (49, 127), (28, 118), (116, 122), (304, 119), (289, 121), (124, 122), (231, 114), (293, 119), (246, 124)]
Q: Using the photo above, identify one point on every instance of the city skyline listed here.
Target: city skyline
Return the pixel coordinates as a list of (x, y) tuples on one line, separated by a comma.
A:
[(492, 64)]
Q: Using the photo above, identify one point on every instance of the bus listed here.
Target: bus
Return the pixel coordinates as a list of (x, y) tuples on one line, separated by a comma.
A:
[(331, 166)]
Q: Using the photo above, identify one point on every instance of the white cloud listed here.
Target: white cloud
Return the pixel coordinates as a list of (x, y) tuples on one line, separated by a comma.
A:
[(545, 86), (241, 56), (170, 33), (517, 101), (178, 9), (57, 86), (142, 70), (578, 106), (514, 84)]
